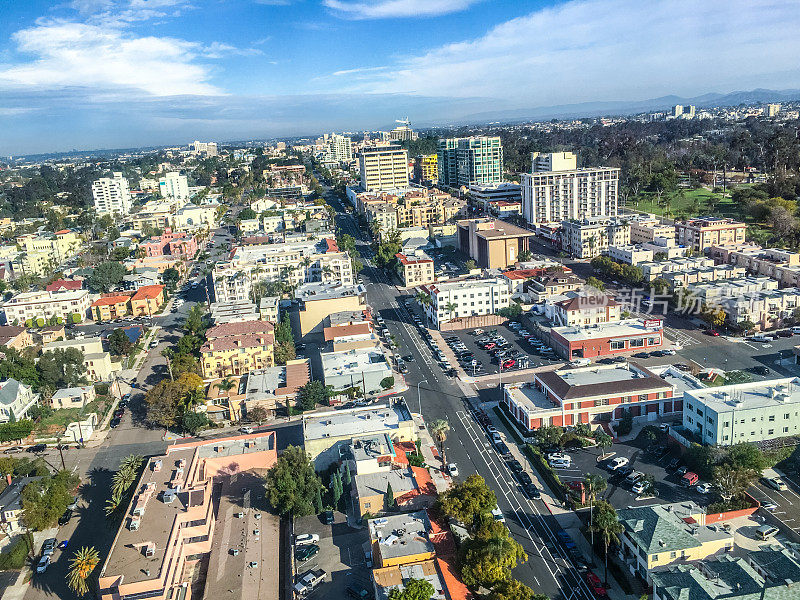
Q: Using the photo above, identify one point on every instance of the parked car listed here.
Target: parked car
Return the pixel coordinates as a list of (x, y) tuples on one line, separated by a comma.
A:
[(502, 449), (305, 538), (703, 488), (328, 517), (307, 552), (515, 466), (639, 487), (42, 565), (498, 514), (712, 332), (49, 546), (37, 448), (524, 478), (776, 483), (452, 470), (689, 479), (65, 518), (308, 582), (761, 370), (618, 462), (356, 590), (595, 584), (532, 491), (13, 450), (248, 430), (673, 464)]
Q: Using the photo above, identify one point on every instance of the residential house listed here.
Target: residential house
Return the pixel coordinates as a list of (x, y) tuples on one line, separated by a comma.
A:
[(74, 397), (362, 368), (415, 268), (110, 308), (15, 337), (11, 505), (16, 399), (96, 360), (704, 232)]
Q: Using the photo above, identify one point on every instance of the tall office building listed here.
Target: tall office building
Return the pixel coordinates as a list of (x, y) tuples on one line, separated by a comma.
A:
[(383, 168), (567, 192), (464, 161), (174, 186), (338, 149), (403, 132), (112, 195)]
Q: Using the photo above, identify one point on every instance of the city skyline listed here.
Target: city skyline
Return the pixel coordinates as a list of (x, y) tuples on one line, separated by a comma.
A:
[(125, 73)]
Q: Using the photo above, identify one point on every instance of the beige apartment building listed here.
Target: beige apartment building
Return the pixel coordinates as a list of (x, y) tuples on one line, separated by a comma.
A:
[(648, 228), (777, 263), (383, 168), (319, 300), (415, 268), (702, 233), (492, 243), (592, 237)]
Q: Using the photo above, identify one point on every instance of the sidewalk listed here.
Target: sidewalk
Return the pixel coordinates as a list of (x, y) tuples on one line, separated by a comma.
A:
[(430, 453), (20, 587)]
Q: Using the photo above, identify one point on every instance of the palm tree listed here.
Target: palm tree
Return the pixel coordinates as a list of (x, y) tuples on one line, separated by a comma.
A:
[(595, 484), (423, 298), (225, 385), (81, 565), (607, 525), (451, 308), (168, 353), (439, 429)]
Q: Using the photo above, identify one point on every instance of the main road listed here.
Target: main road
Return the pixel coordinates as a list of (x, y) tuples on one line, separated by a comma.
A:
[(548, 570)]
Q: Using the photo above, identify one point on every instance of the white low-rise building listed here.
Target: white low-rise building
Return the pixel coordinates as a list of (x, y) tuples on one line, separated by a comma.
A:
[(745, 412), (16, 399), (34, 305), (466, 298), (630, 254), (592, 237)]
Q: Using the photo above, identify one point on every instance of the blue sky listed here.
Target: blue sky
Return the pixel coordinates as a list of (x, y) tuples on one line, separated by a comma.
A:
[(117, 73)]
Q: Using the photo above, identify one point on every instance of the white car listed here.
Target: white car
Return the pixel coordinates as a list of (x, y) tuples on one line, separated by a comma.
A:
[(306, 538), (247, 430), (639, 487), (498, 514), (618, 462), (776, 483), (452, 470), (557, 456), (703, 488)]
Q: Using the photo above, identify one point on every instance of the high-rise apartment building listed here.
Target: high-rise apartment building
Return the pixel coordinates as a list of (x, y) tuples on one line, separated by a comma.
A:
[(426, 168), (205, 148), (566, 192), (383, 168), (773, 110), (465, 161), (338, 149), (112, 195), (174, 186)]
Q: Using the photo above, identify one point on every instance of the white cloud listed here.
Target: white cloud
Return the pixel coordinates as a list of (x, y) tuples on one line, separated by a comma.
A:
[(607, 49), (357, 71), (69, 54), (383, 9)]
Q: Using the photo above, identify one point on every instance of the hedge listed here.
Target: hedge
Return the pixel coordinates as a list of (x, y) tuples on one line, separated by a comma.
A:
[(510, 426), (550, 477), (16, 557)]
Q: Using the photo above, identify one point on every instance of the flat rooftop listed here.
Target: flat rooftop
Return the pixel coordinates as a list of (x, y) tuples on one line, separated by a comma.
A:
[(390, 578), (242, 540), (354, 422), (681, 382), (401, 535), (376, 484), (126, 557), (320, 290), (744, 396), (624, 328), (372, 447), (358, 360)]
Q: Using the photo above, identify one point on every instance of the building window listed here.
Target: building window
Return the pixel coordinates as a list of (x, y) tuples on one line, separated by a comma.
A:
[(771, 418), (770, 432)]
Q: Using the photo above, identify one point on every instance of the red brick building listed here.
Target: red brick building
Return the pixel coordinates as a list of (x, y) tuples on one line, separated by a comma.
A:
[(607, 339), (589, 395)]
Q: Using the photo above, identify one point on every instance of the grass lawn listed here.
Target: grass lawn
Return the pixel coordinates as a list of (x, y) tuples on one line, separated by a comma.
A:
[(692, 203), (62, 417)]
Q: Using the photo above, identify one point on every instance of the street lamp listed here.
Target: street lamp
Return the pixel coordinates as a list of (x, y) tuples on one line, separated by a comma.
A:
[(419, 396)]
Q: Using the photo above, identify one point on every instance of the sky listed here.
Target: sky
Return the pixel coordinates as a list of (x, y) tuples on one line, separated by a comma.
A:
[(90, 74)]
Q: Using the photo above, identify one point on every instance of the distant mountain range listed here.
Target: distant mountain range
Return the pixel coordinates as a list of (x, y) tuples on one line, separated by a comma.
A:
[(621, 108)]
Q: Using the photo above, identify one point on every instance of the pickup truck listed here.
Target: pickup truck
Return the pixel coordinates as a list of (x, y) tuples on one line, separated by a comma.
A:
[(308, 581)]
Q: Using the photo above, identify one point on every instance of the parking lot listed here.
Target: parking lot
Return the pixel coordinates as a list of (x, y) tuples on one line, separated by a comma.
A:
[(783, 504), (642, 456), (516, 346), (341, 555)]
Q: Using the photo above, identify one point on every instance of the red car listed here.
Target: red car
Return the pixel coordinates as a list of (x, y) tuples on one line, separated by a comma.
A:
[(595, 584), (507, 364), (489, 346), (712, 332)]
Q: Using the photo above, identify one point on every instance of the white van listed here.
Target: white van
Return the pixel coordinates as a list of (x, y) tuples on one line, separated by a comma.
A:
[(766, 531), (761, 338), (796, 330), (563, 462), (580, 362)]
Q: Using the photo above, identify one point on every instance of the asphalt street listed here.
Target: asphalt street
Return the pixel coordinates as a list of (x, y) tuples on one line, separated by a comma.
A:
[(548, 570)]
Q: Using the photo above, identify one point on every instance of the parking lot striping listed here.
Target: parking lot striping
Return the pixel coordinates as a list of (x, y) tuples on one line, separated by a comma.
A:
[(570, 568), (773, 499)]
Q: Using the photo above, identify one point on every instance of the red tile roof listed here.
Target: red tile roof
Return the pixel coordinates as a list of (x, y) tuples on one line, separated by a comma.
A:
[(64, 284), (62, 232), (346, 330), (332, 245), (110, 300), (297, 376), (148, 292), (456, 590), (248, 340), (242, 328), (410, 261)]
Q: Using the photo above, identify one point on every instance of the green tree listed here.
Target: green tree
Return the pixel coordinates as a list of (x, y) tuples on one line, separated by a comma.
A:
[(284, 352), (81, 565), (746, 456), (195, 322), (312, 394), (596, 283), (388, 497), (439, 430), (192, 422), (525, 256), (414, 589), (258, 414), (511, 311), (14, 431), (170, 277), (247, 213), (387, 382), (105, 276), (291, 483), (490, 555), (732, 482), (120, 254), (62, 368), (470, 264), (44, 500), (468, 500), (318, 501), (511, 589), (119, 343)]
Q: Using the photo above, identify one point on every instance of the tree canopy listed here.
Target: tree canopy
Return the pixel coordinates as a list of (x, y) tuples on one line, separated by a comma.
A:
[(105, 276), (292, 484), (466, 501), (46, 499)]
